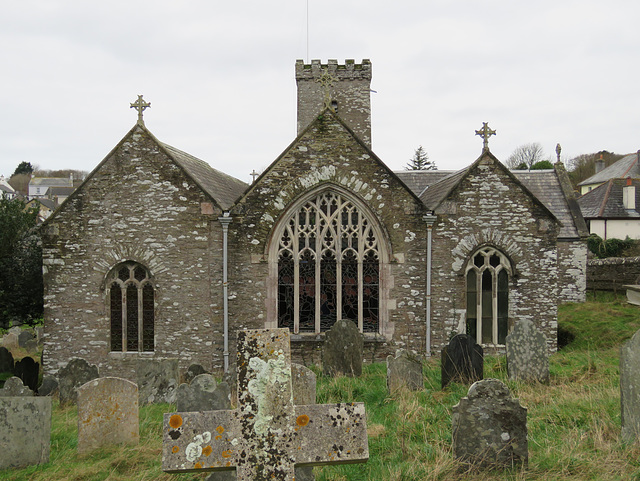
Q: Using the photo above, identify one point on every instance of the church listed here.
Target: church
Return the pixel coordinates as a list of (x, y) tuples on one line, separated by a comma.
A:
[(158, 255)]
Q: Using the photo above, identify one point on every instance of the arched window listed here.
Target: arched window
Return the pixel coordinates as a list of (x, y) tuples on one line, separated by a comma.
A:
[(131, 308), (328, 266), (488, 296)]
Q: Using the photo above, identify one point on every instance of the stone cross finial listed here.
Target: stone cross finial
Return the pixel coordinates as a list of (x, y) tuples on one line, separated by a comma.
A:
[(558, 150), (140, 105), (267, 435), (254, 175), (485, 132), (326, 80)]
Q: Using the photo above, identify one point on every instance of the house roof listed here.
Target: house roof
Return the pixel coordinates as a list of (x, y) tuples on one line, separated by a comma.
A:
[(605, 201), (61, 191), (51, 182), (627, 166)]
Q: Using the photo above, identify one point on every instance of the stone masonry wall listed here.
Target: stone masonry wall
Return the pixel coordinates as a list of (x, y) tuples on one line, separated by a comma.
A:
[(138, 206), (488, 207), (572, 266), (613, 273)]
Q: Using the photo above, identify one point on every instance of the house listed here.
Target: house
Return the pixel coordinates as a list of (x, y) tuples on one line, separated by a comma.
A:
[(622, 169), (40, 187), (6, 191), (158, 255)]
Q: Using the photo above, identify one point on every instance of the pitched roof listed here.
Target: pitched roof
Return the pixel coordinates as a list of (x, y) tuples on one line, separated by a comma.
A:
[(605, 201), (51, 181), (418, 180), (627, 166)]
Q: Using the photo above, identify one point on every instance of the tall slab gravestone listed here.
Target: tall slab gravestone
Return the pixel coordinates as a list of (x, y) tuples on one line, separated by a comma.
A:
[(342, 350), (72, 376), (25, 431), (527, 353), (6, 360), (462, 361), (630, 388), (490, 427), (28, 370), (267, 435), (404, 370), (107, 413)]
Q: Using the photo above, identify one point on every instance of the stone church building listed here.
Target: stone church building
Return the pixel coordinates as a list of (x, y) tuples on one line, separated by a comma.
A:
[(158, 255)]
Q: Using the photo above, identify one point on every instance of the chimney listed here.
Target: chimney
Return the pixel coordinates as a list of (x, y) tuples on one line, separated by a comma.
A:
[(629, 195), (599, 164)]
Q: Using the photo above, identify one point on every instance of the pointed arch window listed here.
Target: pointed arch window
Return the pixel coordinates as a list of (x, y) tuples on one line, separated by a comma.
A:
[(328, 267), (131, 296), (488, 275)]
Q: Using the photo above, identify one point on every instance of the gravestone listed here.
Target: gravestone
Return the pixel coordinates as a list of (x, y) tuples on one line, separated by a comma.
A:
[(25, 336), (157, 380), (25, 431), (28, 370), (342, 350), (72, 376), (49, 386), (404, 371), (6, 360), (630, 388), (193, 371), (14, 387), (527, 353), (490, 427), (203, 394), (267, 435), (462, 361), (107, 413), (10, 340)]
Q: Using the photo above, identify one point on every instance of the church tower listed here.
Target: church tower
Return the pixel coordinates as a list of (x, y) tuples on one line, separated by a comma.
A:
[(344, 88)]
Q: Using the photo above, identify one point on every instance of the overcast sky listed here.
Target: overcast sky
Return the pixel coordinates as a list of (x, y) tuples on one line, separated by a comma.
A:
[(220, 76)]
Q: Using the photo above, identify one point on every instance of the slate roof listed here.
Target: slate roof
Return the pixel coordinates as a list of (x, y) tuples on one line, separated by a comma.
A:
[(51, 181), (417, 180), (220, 186), (605, 201), (61, 191), (625, 167)]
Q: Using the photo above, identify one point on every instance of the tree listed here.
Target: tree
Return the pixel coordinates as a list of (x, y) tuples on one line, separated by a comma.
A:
[(542, 165), (23, 168), (21, 287), (525, 156), (420, 161)]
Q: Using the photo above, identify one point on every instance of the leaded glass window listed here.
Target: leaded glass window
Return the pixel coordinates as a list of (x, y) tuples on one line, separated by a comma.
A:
[(131, 296), (328, 267), (488, 296)]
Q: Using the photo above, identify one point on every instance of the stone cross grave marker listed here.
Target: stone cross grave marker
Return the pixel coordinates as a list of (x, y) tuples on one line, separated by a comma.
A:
[(267, 435)]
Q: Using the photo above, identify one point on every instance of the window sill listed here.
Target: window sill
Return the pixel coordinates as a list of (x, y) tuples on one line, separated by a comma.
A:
[(131, 355)]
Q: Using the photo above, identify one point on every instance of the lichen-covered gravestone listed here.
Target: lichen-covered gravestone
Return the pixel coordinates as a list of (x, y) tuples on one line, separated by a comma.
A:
[(25, 431), (158, 380), (28, 370), (342, 350), (462, 361), (527, 353), (14, 387), (192, 371), (630, 388), (107, 413), (203, 394), (267, 435), (490, 427), (404, 371), (72, 376)]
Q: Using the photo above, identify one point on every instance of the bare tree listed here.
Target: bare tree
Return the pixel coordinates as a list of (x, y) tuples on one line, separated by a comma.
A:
[(523, 157)]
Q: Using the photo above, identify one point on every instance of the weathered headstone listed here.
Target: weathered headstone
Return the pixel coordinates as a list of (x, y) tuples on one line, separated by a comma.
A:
[(404, 371), (490, 427), (25, 431), (10, 340), (267, 435), (462, 361), (25, 336), (342, 350), (107, 413), (48, 387), (527, 353), (72, 376), (157, 380), (14, 387), (193, 371), (28, 370), (203, 394), (630, 388), (6, 360)]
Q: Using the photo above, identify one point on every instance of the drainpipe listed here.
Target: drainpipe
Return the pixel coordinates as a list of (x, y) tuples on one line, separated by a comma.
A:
[(430, 219), (225, 220)]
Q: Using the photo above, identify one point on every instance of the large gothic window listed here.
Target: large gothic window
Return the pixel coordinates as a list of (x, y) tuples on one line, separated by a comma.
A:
[(328, 267), (488, 296), (131, 308)]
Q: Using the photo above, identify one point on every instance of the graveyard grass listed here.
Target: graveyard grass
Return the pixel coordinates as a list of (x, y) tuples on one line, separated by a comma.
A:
[(573, 423)]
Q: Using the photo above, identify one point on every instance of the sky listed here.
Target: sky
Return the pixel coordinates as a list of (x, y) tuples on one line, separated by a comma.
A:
[(221, 82)]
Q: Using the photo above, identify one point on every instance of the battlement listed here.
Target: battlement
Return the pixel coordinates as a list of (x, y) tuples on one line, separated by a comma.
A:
[(349, 70)]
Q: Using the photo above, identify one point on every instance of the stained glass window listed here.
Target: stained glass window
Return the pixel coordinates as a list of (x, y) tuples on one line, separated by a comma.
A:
[(131, 308), (488, 296), (328, 267)]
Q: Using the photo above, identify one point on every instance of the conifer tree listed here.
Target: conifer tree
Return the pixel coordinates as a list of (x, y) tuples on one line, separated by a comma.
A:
[(420, 161)]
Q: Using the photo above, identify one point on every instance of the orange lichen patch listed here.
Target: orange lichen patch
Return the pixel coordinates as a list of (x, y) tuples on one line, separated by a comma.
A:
[(218, 437), (226, 454), (207, 450), (198, 466), (175, 449), (175, 421), (302, 420), (228, 463), (220, 429)]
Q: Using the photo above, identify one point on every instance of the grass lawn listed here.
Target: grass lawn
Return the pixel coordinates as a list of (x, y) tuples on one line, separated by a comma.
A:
[(574, 422)]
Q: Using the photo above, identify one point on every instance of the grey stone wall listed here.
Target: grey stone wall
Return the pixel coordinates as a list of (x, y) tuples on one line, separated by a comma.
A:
[(572, 268), (488, 207), (140, 206), (612, 273)]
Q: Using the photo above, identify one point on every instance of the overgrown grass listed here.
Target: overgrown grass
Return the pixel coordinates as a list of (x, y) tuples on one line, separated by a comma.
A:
[(574, 422)]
